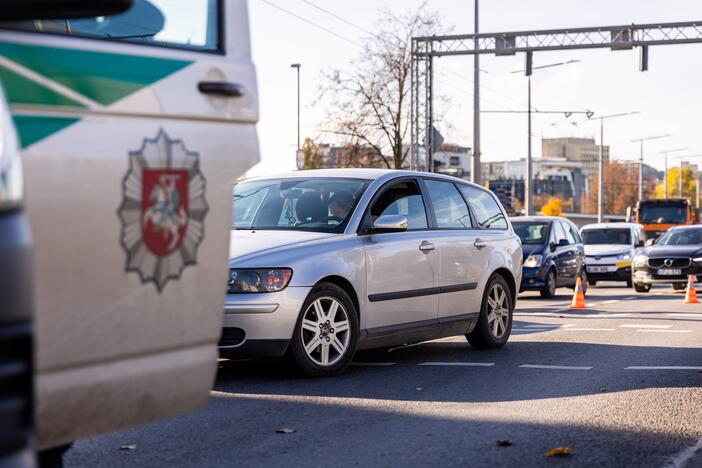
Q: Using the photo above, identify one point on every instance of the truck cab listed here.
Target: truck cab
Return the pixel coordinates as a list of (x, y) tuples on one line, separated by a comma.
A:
[(132, 129)]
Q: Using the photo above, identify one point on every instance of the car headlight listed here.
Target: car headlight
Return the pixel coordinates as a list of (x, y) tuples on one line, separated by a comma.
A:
[(624, 256), (640, 260), (246, 280), (533, 261), (697, 260)]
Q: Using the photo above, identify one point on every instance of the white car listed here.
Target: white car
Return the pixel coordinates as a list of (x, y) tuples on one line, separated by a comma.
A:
[(327, 262), (610, 249)]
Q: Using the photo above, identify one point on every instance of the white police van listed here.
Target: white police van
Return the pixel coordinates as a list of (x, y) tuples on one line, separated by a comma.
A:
[(132, 129)]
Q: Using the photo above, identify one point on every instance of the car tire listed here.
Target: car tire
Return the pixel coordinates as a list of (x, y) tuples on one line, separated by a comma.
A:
[(493, 327), (319, 346), (549, 289), (679, 286), (629, 283), (642, 288)]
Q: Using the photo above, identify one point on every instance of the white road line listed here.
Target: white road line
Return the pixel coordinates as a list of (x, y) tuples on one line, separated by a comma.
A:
[(663, 368), (373, 364), (634, 325), (545, 325), (681, 459), (461, 364), (589, 329), (665, 331), (543, 366), (684, 315), (608, 302)]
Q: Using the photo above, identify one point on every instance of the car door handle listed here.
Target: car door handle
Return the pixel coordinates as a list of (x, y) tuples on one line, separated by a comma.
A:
[(479, 244), (426, 246), (221, 88)]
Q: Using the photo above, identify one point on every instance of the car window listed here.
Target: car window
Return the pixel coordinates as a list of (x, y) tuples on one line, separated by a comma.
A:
[(449, 206), (191, 24), (487, 213), (405, 199), (570, 237), (559, 234), (576, 235)]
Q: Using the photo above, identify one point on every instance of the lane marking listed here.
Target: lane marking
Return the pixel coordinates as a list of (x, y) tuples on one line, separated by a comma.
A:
[(373, 364), (665, 331), (543, 366), (684, 315), (590, 329), (460, 364), (547, 325), (663, 368), (681, 459), (634, 325)]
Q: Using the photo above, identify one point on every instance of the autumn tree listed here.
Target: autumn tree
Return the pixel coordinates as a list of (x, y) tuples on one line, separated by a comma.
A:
[(369, 102), (311, 154), (621, 190), (553, 207), (689, 184)]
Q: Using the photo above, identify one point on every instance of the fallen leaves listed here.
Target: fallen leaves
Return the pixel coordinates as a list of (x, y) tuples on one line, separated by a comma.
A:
[(504, 442), (285, 430), (559, 452)]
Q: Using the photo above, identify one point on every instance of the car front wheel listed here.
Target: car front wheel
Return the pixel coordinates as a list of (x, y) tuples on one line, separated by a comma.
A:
[(326, 333), (495, 322), (549, 289), (642, 288)]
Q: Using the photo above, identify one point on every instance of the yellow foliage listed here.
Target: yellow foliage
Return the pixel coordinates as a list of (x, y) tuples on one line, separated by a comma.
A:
[(554, 207), (689, 184)]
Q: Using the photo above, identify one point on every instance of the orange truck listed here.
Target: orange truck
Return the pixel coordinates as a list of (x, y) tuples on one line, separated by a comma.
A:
[(657, 216)]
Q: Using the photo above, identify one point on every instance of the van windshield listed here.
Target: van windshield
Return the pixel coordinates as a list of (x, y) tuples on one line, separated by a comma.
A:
[(309, 204), (607, 236)]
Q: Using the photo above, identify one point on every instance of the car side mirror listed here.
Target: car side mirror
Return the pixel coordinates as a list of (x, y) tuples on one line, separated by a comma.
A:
[(552, 246), (390, 223), (563, 242), (19, 10), (650, 242)]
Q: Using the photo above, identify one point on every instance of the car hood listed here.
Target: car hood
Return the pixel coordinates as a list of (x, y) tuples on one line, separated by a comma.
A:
[(659, 251), (532, 249), (244, 242), (603, 250)]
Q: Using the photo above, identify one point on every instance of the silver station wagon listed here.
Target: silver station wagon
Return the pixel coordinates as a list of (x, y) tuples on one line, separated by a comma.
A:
[(325, 263)]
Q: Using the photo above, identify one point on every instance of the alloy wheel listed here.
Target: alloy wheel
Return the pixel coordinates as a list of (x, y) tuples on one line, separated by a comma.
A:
[(498, 311), (325, 331)]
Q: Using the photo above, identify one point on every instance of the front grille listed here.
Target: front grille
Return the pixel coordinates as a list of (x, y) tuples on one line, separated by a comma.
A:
[(232, 336), (675, 262), (15, 387)]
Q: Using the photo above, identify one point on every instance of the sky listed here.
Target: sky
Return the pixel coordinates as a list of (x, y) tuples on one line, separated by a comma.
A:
[(668, 97)]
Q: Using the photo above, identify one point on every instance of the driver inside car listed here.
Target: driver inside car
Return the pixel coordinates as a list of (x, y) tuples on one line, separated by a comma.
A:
[(340, 204)]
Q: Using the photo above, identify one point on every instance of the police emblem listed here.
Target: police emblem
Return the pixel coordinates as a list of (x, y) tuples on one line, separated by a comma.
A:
[(163, 209)]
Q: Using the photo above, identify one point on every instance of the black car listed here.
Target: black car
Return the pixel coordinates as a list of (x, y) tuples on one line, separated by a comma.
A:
[(553, 253), (675, 254)]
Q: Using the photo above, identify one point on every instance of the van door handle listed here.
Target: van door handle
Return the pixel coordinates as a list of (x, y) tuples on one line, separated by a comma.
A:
[(479, 244), (426, 246), (221, 88)]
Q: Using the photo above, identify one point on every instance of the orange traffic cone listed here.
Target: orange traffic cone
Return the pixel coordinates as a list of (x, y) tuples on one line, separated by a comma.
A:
[(691, 293), (578, 296)]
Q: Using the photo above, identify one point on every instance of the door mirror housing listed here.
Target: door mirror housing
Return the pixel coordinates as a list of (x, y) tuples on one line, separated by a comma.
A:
[(390, 223), (650, 242), (20, 10), (563, 242), (552, 246), (640, 243)]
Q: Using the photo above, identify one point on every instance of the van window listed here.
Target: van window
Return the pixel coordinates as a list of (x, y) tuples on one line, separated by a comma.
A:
[(485, 209), (449, 206), (191, 24)]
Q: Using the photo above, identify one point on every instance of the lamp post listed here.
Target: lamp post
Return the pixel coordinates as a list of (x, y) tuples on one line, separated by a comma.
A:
[(297, 66), (641, 141), (680, 174), (665, 174), (600, 170), (528, 206)]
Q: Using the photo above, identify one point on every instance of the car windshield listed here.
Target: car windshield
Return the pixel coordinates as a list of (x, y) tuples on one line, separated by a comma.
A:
[(531, 233), (681, 237), (304, 204), (663, 214), (607, 236)]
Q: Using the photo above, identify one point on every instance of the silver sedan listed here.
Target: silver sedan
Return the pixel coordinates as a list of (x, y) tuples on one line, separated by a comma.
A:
[(325, 263)]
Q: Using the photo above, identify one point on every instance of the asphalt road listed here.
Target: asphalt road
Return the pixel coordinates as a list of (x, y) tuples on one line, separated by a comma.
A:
[(620, 384)]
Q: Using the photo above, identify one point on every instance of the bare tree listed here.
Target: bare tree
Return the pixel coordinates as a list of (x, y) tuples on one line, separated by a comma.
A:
[(369, 102)]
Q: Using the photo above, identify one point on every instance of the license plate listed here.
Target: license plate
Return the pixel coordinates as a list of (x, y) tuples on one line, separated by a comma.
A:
[(669, 272), (597, 269)]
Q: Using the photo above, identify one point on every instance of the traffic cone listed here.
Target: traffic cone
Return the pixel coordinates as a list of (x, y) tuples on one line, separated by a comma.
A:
[(578, 296), (691, 293)]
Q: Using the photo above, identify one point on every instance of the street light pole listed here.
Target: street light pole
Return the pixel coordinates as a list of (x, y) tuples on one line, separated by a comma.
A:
[(297, 66), (475, 169), (641, 159), (665, 175), (680, 179)]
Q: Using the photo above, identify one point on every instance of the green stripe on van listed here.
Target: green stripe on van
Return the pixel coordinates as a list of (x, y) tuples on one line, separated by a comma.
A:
[(101, 76), (20, 90), (34, 128)]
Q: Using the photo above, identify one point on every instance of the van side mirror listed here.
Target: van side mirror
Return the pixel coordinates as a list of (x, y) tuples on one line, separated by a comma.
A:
[(390, 223), (20, 10), (650, 242), (640, 243)]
